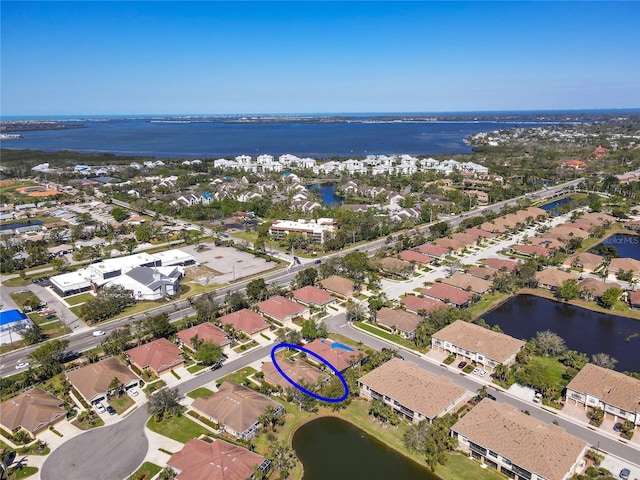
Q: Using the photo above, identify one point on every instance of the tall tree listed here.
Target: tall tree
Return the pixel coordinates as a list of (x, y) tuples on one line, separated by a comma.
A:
[(49, 356), (165, 402)]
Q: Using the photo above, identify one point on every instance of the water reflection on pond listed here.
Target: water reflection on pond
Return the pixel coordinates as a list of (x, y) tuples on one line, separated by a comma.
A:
[(330, 448)]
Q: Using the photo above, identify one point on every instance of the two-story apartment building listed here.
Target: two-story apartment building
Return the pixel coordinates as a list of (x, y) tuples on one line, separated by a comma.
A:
[(412, 392), (616, 393), (477, 344)]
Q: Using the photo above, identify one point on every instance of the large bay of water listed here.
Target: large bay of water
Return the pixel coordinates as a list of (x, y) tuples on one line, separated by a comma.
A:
[(330, 448), (582, 330), (224, 139)]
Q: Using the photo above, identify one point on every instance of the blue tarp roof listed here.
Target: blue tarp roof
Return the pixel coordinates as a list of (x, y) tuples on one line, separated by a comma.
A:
[(10, 316)]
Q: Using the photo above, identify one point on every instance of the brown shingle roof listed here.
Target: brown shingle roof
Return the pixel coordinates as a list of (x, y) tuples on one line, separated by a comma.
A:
[(585, 259), (418, 304), (299, 371), (206, 332), (531, 250), (219, 460), (554, 277), (159, 355), (449, 244), (335, 353), (545, 449), (625, 264), (340, 285), (234, 405), (469, 336), (466, 281), (400, 319), (311, 294), (280, 308), (32, 410), (596, 287), (413, 387), (481, 272), (245, 320), (93, 380), (479, 233), (611, 387), (447, 293)]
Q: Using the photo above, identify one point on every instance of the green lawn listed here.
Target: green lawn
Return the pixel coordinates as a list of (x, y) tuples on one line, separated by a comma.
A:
[(121, 404), (179, 428), (146, 471), (196, 368), (199, 392), (21, 298), (24, 472), (386, 335), (239, 376), (78, 299)]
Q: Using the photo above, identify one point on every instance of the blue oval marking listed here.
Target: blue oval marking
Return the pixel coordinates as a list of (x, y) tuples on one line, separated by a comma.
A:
[(302, 389)]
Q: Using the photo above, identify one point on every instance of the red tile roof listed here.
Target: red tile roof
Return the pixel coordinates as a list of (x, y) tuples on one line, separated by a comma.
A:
[(159, 355), (219, 460), (531, 250), (245, 320), (280, 308), (433, 250), (311, 294), (418, 304), (340, 285), (499, 263), (447, 293), (207, 332), (413, 256)]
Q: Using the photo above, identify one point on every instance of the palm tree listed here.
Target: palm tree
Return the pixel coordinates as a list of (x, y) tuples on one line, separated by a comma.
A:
[(116, 385)]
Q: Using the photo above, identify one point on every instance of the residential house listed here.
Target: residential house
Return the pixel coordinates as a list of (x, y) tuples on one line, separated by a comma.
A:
[(420, 304), (468, 282), (574, 164), (93, 381), (159, 356), (245, 320), (400, 321), (217, 460), (531, 250), (31, 411), (316, 231), (481, 272), (281, 309), (298, 370), (433, 250), (413, 393), (465, 238), (478, 233), (448, 294), (518, 445), (453, 246), (634, 299), (313, 296), (396, 266), (206, 332), (617, 265), (340, 356), (340, 286), (615, 393), (552, 278), (597, 218), (477, 344), (593, 289), (587, 262), (415, 257), (236, 408)]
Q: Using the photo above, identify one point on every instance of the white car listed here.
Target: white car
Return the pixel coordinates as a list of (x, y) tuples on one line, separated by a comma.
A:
[(22, 365), (100, 408), (482, 373), (98, 333), (537, 398), (476, 371), (133, 392)]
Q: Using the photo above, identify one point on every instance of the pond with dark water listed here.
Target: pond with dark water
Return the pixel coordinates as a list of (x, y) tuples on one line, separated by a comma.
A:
[(330, 448), (327, 192), (583, 330), (627, 246)]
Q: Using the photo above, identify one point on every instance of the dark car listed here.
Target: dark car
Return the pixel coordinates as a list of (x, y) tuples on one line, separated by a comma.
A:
[(111, 410), (399, 356), (462, 364), (617, 427), (317, 262), (491, 397), (624, 474)]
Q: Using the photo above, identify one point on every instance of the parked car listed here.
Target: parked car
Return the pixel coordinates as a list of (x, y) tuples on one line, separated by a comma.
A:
[(482, 373), (462, 364), (21, 365), (617, 427), (133, 392), (624, 474), (491, 397), (537, 398), (111, 410), (399, 356), (98, 333), (99, 407), (476, 371)]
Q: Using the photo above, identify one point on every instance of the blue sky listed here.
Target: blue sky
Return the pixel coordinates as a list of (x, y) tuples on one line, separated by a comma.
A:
[(98, 58)]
